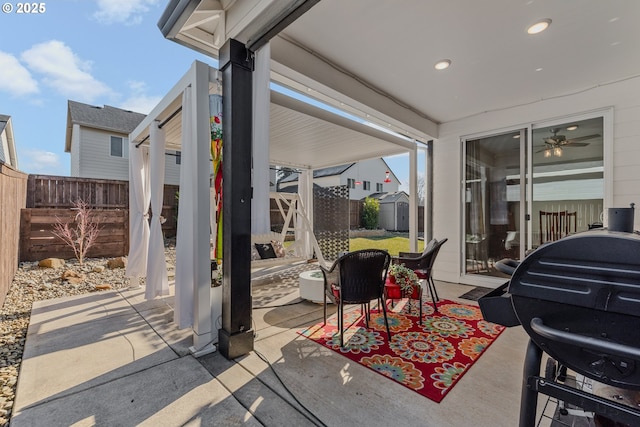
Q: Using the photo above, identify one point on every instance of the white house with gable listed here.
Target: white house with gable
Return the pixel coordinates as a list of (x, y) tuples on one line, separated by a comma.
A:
[(363, 178)]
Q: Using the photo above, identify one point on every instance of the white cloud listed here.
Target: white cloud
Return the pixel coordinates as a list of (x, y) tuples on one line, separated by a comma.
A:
[(141, 104), (122, 11), (139, 101), (40, 161), (14, 77), (64, 71)]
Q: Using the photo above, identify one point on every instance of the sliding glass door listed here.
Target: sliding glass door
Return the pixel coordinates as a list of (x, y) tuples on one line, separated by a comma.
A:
[(530, 186), (568, 179), (493, 197)]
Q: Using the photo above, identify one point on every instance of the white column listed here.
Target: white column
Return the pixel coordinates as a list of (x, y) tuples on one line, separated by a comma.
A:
[(204, 332), (305, 193), (413, 200), (427, 195), (260, 221), (183, 314)]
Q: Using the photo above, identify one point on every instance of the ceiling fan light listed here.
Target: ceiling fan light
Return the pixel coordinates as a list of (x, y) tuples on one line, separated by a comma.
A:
[(557, 152), (443, 64), (547, 153), (539, 26)]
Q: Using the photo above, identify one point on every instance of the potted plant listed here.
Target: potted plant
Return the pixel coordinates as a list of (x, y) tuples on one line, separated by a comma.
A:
[(404, 277)]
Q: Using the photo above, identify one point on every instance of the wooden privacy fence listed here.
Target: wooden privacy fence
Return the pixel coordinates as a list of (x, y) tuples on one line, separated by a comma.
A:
[(38, 241), (50, 197), (45, 191), (13, 188)]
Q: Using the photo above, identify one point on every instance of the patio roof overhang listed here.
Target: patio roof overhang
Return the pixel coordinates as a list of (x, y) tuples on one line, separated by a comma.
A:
[(204, 25), (377, 58), (302, 135)]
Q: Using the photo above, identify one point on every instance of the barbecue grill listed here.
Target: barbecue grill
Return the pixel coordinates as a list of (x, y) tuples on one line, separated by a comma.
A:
[(578, 299)]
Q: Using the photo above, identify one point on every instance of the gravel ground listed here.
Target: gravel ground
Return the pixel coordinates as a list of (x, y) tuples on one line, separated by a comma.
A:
[(32, 283)]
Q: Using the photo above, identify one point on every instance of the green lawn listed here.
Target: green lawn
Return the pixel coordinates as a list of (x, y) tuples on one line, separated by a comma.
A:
[(393, 245)]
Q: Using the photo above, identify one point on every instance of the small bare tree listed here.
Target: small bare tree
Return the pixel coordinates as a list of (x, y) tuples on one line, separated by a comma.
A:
[(85, 233)]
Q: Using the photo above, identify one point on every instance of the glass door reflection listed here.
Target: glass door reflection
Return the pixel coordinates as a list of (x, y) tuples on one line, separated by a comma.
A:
[(492, 200), (568, 179)]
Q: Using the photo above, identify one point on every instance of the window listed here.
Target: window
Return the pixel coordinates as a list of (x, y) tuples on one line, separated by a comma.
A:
[(379, 187), (178, 157), (119, 147), (366, 185), (351, 183)]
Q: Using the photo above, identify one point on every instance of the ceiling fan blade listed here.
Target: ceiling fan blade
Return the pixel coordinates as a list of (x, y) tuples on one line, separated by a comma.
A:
[(544, 149), (575, 144), (583, 138)]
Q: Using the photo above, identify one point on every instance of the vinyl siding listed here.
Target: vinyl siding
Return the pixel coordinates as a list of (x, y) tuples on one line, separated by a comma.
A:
[(622, 159), (4, 148), (91, 157), (95, 158), (75, 151), (171, 169)]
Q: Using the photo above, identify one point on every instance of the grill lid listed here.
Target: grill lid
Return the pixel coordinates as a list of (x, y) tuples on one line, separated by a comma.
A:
[(597, 269), (579, 300)]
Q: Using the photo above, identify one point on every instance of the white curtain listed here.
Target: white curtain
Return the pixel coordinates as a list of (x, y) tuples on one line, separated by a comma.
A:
[(157, 281), (185, 266), (139, 198)]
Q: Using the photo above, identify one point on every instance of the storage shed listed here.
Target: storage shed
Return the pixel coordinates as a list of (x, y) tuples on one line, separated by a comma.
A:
[(394, 210)]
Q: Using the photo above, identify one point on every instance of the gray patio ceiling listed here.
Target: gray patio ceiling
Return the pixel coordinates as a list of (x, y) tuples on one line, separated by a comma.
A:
[(376, 58)]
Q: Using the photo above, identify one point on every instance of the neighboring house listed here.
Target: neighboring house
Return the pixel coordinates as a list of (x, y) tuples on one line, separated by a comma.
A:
[(98, 140), (8, 153), (394, 210), (363, 178)]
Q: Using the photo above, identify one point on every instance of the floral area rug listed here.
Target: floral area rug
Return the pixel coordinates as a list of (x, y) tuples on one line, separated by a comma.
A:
[(429, 358)]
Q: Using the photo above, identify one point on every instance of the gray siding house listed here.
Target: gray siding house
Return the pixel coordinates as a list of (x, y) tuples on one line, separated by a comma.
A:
[(8, 153), (98, 140)]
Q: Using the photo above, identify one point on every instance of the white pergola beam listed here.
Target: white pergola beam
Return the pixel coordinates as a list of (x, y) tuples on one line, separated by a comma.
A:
[(293, 62), (413, 200)]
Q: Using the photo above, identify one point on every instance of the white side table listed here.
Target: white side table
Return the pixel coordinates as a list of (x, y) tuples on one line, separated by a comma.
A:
[(312, 286)]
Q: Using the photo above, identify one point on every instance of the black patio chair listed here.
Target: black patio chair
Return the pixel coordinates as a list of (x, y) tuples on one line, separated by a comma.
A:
[(422, 264), (357, 278)]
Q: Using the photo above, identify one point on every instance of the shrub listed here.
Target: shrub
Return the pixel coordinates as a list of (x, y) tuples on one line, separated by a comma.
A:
[(370, 213), (85, 233)]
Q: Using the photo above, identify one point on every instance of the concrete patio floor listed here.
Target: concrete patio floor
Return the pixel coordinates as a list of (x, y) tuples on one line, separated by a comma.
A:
[(112, 358)]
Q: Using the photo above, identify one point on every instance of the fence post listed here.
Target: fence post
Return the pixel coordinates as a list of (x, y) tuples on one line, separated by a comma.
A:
[(25, 233)]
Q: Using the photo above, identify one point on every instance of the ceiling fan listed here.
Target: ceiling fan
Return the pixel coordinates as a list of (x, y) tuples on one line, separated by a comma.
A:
[(554, 144)]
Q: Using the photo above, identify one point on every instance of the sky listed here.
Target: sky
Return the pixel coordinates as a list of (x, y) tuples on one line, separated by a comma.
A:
[(100, 52)]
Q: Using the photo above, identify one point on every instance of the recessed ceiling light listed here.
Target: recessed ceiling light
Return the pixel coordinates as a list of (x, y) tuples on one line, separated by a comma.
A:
[(442, 64), (538, 69), (573, 127), (516, 136), (539, 26)]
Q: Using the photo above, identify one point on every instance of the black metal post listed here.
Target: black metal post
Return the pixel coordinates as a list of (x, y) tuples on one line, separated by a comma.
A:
[(236, 63), (529, 397)]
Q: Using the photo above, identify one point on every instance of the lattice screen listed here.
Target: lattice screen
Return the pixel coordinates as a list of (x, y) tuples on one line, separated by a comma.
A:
[(331, 220)]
